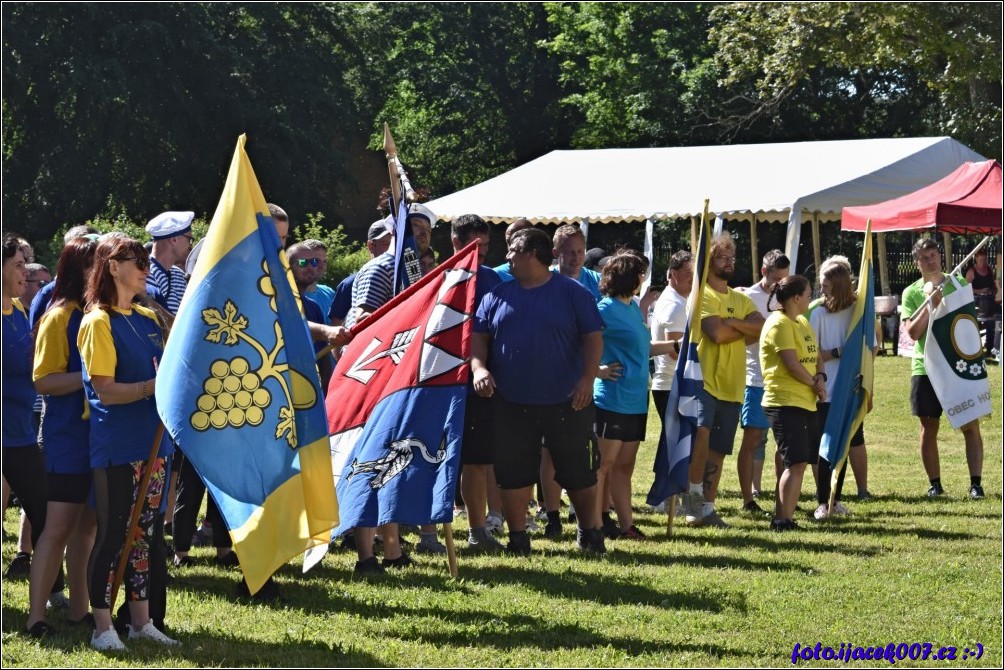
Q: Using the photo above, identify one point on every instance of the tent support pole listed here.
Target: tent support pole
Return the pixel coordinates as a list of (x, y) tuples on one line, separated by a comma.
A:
[(694, 223), (753, 251), (883, 264), (947, 239), (817, 255)]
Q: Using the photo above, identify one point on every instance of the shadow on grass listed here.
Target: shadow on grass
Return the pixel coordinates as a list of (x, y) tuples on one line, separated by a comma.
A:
[(203, 648), (771, 544), (515, 631)]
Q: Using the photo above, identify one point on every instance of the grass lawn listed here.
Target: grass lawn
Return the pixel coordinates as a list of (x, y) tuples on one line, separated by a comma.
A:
[(900, 569)]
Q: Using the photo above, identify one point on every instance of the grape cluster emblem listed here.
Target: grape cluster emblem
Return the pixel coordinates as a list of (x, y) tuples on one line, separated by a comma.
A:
[(234, 394)]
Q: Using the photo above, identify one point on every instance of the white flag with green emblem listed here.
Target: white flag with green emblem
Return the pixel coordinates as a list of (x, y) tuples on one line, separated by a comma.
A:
[(953, 356)]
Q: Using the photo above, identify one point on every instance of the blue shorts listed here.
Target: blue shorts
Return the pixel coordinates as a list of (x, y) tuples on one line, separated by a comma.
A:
[(752, 413), (722, 418)]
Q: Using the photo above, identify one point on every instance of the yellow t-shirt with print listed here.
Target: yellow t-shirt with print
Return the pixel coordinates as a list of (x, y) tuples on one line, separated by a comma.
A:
[(724, 365), (781, 333)]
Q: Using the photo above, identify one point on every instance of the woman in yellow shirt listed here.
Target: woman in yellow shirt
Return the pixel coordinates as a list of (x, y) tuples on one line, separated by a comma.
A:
[(70, 523), (793, 381)]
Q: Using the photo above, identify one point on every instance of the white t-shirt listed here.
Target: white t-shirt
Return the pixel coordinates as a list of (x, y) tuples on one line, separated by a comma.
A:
[(759, 296), (831, 332), (668, 316)]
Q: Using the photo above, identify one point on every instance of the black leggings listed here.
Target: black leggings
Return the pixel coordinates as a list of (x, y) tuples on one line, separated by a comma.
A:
[(823, 482), (24, 470), (116, 490), (186, 513)]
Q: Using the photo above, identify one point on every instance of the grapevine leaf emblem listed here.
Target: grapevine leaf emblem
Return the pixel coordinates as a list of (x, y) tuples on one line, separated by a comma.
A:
[(286, 427), (230, 324), (234, 392)]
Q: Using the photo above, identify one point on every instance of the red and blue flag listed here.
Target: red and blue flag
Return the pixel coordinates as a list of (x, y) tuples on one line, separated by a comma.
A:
[(396, 402)]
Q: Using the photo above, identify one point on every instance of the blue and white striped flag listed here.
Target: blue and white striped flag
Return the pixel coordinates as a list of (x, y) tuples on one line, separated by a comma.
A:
[(672, 458)]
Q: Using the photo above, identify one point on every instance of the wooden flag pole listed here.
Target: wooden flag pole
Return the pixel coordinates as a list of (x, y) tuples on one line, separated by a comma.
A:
[(451, 550), (137, 509), (671, 511), (398, 177)]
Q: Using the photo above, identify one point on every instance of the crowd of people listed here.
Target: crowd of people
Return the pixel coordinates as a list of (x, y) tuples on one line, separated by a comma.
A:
[(563, 359)]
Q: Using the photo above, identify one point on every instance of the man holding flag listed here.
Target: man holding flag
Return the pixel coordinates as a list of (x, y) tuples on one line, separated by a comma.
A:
[(926, 399)]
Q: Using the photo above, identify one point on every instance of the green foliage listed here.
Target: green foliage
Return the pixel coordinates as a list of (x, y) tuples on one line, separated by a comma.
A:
[(901, 568), (866, 69), (344, 257), (140, 105), (627, 69), (115, 222), (468, 93), (132, 109)]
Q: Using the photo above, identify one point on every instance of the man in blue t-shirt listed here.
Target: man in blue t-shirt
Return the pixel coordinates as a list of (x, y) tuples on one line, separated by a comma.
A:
[(541, 335), (503, 270)]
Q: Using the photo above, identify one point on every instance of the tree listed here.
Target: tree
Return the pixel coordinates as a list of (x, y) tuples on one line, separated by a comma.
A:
[(466, 88), (136, 107), (893, 68), (628, 69)]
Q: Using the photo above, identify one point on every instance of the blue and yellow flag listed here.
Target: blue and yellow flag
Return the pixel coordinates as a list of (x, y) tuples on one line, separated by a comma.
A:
[(238, 388), (852, 389)]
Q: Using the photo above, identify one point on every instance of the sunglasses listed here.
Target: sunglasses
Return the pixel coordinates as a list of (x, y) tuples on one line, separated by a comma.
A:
[(141, 263), (304, 262)]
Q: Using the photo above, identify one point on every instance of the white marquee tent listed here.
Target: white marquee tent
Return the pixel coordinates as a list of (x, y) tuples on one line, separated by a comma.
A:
[(790, 182)]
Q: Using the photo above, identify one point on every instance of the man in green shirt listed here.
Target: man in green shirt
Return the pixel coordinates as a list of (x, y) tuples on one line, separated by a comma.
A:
[(924, 401)]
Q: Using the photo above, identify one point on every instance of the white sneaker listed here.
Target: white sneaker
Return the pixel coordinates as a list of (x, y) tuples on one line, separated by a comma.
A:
[(694, 505), (531, 525), (822, 512), (57, 601), (840, 510), (493, 524), (150, 632), (660, 508), (107, 641)]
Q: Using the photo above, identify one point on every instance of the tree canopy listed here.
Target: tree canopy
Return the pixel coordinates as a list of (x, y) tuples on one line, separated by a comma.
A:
[(130, 109)]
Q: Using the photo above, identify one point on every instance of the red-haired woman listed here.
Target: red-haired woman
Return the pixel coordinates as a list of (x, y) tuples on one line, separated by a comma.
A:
[(65, 434), (120, 347)]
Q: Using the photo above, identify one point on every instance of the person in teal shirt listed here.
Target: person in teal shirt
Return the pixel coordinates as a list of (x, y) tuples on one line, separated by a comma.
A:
[(622, 397)]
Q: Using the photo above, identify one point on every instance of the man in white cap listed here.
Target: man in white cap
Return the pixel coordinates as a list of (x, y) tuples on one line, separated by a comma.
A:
[(172, 241), (422, 219)]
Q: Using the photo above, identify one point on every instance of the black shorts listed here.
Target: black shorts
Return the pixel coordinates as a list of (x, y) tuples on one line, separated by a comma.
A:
[(69, 488), (796, 432), (518, 433), (923, 400), (823, 410), (478, 434), (617, 426)]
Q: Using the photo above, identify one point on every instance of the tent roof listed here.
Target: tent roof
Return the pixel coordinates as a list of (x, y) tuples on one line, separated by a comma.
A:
[(966, 201), (765, 180)]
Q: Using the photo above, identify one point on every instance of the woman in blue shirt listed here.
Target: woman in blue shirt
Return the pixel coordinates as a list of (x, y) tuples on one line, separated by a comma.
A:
[(65, 434), (23, 465), (120, 347), (622, 398)]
